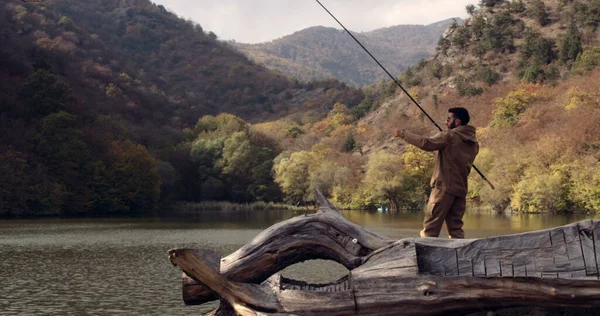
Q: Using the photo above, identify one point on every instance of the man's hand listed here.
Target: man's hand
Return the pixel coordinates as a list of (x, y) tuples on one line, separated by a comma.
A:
[(399, 133)]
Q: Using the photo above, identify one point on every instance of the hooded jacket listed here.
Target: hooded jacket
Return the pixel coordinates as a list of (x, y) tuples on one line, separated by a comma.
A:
[(455, 152)]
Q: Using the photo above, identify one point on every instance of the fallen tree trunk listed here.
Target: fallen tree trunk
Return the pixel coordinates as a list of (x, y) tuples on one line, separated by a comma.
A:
[(413, 276)]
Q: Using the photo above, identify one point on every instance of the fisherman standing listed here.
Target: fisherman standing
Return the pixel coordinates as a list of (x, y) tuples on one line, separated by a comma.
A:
[(455, 149)]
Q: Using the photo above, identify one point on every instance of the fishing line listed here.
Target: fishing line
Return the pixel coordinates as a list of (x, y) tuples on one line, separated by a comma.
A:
[(397, 83)]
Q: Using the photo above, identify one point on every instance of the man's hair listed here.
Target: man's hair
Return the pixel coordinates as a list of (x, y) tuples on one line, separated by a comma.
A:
[(460, 113)]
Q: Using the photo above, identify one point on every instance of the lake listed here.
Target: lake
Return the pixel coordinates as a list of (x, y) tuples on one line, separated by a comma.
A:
[(120, 266)]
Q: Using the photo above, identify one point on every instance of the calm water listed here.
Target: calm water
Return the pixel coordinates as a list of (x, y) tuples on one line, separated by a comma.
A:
[(120, 267)]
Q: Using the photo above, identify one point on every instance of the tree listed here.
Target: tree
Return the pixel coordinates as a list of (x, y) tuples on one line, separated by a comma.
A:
[(537, 11), (461, 37), (128, 182), (571, 45), (517, 6), (60, 147), (471, 9), (588, 59), (488, 75), (443, 45), (489, 3), (541, 49), (18, 185), (292, 173), (509, 109), (349, 143), (385, 178), (43, 94)]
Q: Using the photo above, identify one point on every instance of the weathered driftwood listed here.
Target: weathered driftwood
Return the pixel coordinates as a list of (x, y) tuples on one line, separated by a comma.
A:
[(413, 276)]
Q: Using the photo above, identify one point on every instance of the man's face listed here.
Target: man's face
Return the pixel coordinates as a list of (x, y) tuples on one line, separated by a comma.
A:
[(451, 121)]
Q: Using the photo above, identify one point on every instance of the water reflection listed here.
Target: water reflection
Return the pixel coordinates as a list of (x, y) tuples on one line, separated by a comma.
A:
[(119, 266)]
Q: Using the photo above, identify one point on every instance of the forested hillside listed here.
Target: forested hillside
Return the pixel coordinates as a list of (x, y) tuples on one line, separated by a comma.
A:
[(324, 52), (96, 120), (526, 70), (98, 101)]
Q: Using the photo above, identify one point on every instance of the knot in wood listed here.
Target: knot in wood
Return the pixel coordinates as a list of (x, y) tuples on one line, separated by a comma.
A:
[(587, 232), (426, 289)]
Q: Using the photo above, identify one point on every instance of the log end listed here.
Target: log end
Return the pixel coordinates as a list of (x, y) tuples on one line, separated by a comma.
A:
[(324, 205), (193, 291)]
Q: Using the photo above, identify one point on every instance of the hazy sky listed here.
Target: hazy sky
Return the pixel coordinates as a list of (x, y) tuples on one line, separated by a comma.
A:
[(255, 21)]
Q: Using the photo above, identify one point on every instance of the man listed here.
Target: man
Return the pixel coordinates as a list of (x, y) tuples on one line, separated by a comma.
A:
[(455, 149)]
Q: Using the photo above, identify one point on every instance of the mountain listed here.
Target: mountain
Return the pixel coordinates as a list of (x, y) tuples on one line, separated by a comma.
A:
[(527, 71), (324, 52), (99, 100)]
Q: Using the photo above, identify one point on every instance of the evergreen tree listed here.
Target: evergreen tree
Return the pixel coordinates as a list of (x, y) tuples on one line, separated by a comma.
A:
[(489, 3), (537, 11), (349, 143), (471, 9), (571, 45)]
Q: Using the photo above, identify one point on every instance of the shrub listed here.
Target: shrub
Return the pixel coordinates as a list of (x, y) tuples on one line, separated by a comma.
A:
[(571, 44), (488, 75), (489, 3), (543, 190), (466, 89), (537, 11), (588, 59), (585, 187), (508, 109), (517, 6)]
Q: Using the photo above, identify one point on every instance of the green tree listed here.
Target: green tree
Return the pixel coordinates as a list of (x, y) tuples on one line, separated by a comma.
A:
[(541, 49), (128, 183), (60, 145), (471, 9), (488, 75), (517, 6), (385, 179), (588, 59), (18, 185), (537, 11), (489, 3), (571, 46), (43, 94), (292, 173), (349, 143), (443, 45), (461, 37)]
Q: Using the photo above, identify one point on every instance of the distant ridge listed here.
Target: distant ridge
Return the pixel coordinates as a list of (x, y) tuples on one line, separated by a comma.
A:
[(320, 52)]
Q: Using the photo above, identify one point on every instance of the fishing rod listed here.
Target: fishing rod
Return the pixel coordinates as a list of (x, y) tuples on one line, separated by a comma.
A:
[(398, 83)]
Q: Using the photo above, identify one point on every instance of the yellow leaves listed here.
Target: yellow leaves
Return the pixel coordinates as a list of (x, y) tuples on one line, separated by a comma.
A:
[(321, 151), (112, 90), (20, 11), (339, 115), (587, 60), (577, 98), (417, 161), (483, 132), (541, 190), (415, 92), (361, 128), (509, 108), (384, 172)]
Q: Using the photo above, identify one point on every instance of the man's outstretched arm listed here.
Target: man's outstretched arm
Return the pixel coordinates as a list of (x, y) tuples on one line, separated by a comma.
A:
[(437, 142)]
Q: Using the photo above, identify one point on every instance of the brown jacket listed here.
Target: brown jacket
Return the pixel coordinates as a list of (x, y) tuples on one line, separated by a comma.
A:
[(455, 152)]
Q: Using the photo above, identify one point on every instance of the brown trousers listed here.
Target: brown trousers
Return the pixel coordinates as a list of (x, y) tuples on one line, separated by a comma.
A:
[(444, 207)]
